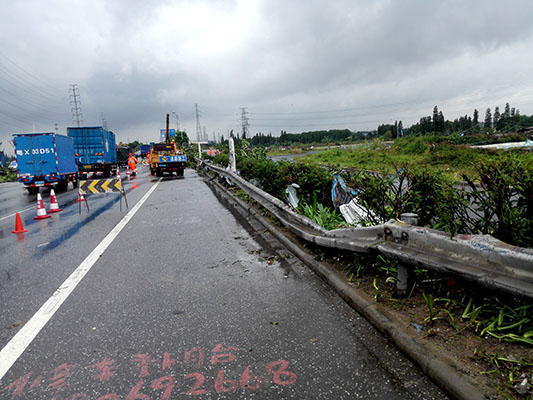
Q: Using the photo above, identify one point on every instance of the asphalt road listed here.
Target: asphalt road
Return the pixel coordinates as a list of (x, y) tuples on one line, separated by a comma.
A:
[(174, 298)]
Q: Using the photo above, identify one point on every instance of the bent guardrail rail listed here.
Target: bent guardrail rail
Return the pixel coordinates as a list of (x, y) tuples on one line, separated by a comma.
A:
[(478, 258)]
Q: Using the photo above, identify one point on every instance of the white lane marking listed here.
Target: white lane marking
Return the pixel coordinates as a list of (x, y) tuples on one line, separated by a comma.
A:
[(20, 212), (16, 346)]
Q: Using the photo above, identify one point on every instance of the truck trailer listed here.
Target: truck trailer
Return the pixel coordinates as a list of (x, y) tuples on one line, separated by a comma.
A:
[(45, 159), (145, 150), (95, 150)]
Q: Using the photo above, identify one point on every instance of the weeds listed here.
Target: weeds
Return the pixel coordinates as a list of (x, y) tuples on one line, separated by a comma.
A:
[(325, 217)]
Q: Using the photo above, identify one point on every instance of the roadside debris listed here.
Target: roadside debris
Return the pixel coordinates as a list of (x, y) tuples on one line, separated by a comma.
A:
[(346, 200), (291, 195)]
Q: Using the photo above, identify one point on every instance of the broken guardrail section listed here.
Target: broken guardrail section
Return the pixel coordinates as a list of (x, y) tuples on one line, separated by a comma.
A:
[(479, 258)]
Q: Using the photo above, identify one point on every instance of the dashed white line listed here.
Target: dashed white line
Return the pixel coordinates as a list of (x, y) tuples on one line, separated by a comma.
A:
[(16, 346)]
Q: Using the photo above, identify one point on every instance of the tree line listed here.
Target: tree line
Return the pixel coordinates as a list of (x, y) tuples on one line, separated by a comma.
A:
[(510, 120)]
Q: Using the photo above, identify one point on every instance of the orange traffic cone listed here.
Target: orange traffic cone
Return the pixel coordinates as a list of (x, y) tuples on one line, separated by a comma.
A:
[(80, 197), (18, 225), (41, 211), (54, 207)]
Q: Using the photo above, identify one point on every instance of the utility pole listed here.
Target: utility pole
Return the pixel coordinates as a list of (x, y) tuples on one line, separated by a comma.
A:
[(75, 102), (198, 126), (55, 125), (177, 121), (244, 122)]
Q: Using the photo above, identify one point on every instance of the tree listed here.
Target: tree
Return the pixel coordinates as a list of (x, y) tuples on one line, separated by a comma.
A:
[(488, 119), (435, 119), (440, 123), (475, 121), (507, 112), (496, 117)]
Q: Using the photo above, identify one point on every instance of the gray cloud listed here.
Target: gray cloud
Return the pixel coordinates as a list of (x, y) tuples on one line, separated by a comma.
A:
[(366, 62)]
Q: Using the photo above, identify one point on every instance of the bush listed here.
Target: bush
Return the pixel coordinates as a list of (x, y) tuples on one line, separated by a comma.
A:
[(266, 171), (314, 181), (504, 201), (6, 175)]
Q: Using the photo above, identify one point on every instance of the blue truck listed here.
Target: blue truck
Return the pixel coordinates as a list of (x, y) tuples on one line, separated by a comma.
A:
[(45, 159), (145, 150), (95, 150)]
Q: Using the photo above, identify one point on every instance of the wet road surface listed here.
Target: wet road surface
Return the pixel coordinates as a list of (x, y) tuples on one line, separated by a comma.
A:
[(183, 302)]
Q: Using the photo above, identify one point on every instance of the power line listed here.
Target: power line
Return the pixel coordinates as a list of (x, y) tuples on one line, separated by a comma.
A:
[(23, 70)]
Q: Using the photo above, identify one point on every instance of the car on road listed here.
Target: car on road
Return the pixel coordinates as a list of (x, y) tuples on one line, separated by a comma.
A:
[(13, 165)]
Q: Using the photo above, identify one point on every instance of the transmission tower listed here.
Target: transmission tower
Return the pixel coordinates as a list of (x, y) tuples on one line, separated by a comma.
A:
[(244, 122), (103, 121), (198, 126), (75, 102)]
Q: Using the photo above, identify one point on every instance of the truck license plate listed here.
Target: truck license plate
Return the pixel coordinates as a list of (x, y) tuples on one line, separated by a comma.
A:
[(39, 182), (87, 166)]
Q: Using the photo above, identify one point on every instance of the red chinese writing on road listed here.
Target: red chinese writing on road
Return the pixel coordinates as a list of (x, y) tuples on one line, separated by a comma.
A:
[(66, 377)]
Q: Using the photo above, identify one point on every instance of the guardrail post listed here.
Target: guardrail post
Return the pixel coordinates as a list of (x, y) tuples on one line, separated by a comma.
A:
[(409, 218), (402, 278), (232, 164)]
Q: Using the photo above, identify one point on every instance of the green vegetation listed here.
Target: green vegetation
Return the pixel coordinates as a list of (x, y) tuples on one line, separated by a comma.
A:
[(422, 153), (7, 175), (324, 216), (452, 188)]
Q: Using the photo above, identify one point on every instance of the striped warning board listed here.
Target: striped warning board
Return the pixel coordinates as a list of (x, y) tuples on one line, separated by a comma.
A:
[(100, 186)]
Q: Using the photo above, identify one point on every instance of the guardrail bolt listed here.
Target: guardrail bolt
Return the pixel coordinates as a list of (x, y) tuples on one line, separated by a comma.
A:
[(409, 218), (402, 280)]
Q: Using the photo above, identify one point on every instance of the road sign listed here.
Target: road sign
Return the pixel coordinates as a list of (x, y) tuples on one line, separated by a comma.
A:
[(163, 133), (100, 186), (179, 158)]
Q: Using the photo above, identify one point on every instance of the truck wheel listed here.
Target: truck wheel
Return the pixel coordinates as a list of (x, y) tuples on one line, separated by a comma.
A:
[(75, 182), (62, 186), (159, 173), (33, 190)]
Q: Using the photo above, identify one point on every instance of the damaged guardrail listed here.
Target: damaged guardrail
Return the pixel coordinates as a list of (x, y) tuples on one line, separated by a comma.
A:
[(478, 258)]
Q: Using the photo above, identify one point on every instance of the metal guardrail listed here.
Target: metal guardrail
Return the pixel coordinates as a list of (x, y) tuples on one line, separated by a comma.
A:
[(478, 258)]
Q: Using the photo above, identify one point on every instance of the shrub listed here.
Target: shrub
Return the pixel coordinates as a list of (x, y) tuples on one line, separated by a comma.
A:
[(314, 181)]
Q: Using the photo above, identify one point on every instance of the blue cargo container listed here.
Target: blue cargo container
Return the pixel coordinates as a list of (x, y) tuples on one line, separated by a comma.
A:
[(145, 149), (95, 150), (45, 159)]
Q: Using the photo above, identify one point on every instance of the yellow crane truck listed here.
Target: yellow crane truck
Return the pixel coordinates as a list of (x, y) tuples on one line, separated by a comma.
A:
[(166, 158)]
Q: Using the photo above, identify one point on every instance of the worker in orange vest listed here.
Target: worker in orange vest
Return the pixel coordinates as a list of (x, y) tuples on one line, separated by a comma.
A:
[(132, 164)]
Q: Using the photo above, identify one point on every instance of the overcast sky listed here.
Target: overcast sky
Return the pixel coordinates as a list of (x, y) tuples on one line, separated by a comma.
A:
[(294, 65)]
